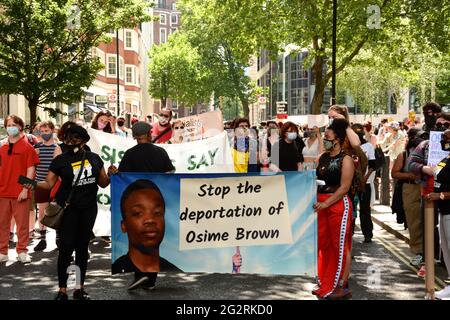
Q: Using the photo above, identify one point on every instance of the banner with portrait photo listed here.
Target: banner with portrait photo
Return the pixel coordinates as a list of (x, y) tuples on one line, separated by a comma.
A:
[(225, 223), (212, 155)]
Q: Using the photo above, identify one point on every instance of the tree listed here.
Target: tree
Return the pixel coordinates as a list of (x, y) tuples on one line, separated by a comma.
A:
[(176, 72), (227, 77), (247, 26), (46, 45)]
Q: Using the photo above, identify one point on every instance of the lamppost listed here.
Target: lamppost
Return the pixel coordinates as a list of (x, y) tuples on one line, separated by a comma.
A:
[(333, 71)]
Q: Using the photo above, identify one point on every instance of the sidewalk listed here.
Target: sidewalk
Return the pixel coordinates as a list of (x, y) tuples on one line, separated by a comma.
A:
[(382, 217)]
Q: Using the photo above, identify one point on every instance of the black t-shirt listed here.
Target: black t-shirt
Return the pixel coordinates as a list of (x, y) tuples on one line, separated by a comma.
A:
[(329, 169), (124, 264), (146, 157), (285, 155), (442, 184), (67, 166)]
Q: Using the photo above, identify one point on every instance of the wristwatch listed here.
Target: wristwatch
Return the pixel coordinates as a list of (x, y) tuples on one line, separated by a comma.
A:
[(442, 196)]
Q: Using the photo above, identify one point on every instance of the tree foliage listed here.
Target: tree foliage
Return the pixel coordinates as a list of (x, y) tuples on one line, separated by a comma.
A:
[(47, 59), (247, 26)]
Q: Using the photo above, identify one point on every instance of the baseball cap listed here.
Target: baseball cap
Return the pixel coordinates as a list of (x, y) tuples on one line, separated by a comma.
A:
[(141, 128)]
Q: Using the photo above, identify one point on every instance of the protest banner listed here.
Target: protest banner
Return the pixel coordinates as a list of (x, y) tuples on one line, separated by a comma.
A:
[(435, 154), (202, 126), (208, 155), (247, 223)]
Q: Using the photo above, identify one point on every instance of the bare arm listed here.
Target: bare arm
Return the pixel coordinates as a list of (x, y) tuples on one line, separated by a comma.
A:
[(49, 182), (396, 170), (103, 179), (353, 138), (57, 152)]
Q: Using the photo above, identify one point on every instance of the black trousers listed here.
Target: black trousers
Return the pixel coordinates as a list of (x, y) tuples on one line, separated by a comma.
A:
[(74, 235), (365, 212), (151, 275)]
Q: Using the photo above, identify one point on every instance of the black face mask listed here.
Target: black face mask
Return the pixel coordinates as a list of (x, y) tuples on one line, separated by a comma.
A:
[(73, 148), (445, 145), (430, 120), (120, 123)]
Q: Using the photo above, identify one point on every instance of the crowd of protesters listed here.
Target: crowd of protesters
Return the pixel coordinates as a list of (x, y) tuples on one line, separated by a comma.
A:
[(350, 160)]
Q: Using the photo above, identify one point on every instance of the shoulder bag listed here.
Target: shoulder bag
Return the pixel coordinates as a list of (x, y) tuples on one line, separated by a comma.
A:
[(54, 212)]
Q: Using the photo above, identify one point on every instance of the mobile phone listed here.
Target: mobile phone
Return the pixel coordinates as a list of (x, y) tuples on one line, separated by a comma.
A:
[(24, 180)]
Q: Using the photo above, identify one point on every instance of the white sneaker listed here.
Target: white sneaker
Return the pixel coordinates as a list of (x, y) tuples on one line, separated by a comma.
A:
[(4, 257), (443, 294), (24, 257), (417, 260)]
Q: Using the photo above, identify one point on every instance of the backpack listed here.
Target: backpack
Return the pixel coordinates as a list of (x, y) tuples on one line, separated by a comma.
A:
[(379, 158)]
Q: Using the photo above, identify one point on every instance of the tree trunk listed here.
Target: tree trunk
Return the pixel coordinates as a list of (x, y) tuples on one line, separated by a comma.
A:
[(245, 107), (316, 104), (32, 105)]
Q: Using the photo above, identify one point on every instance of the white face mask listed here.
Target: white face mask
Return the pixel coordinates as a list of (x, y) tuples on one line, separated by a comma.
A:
[(163, 121), (292, 136)]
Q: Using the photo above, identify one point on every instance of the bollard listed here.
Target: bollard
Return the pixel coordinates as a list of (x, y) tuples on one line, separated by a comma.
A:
[(429, 249)]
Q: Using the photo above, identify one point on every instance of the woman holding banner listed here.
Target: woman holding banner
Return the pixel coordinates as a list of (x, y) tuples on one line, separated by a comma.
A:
[(82, 171), (334, 209)]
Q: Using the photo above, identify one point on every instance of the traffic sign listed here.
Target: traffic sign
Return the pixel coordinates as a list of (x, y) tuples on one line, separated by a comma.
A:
[(101, 99), (262, 100), (112, 98)]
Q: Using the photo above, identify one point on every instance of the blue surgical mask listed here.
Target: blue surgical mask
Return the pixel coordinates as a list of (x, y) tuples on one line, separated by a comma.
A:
[(328, 144), (12, 131), (292, 136)]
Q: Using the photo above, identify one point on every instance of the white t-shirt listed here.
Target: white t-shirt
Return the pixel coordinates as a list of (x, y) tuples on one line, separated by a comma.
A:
[(369, 150), (312, 151)]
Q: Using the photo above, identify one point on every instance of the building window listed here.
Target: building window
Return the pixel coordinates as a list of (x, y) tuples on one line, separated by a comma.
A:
[(128, 40), (112, 62), (162, 19), (162, 35), (129, 74), (174, 30), (174, 19), (174, 6)]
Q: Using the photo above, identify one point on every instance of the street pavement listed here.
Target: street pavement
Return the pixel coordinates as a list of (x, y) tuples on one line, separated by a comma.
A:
[(380, 271)]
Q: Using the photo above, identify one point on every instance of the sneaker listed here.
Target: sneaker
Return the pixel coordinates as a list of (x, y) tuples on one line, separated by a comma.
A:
[(417, 260), (24, 257), (80, 294), (367, 240), (422, 272), (106, 239), (315, 290), (141, 282), (443, 294), (340, 293), (61, 296), (4, 258), (41, 246)]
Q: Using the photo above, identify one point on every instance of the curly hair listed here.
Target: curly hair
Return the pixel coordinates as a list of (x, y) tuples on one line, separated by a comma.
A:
[(339, 127)]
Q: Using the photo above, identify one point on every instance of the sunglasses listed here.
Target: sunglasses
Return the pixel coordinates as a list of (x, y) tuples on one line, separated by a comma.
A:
[(176, 128), (164, 115), (11, 145), (446, 125)]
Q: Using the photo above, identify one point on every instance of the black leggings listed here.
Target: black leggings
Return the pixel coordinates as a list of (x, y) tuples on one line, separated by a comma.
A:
[(75, 234)]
